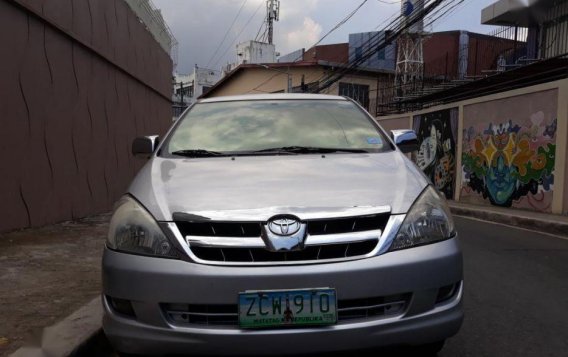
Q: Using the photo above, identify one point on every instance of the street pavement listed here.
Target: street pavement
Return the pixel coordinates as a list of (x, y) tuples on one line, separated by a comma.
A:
[(516, 294)]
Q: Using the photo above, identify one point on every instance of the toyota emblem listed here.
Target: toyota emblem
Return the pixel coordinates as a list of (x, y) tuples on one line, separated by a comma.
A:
[(284, 226)]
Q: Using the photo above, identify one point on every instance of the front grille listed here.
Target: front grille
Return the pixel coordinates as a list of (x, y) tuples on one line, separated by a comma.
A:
[(347, 225), (252, 255), (227, 315), (240, 242), (315, 227), (220, 229)]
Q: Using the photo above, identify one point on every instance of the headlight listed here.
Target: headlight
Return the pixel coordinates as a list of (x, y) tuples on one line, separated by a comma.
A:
[(133, 230), (428, 221)]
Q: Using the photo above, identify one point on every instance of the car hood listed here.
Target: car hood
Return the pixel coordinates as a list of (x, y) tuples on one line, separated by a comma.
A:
[(277, 184)]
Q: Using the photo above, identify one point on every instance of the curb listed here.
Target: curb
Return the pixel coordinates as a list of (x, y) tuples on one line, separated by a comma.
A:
[(556, 225), (69, 336)]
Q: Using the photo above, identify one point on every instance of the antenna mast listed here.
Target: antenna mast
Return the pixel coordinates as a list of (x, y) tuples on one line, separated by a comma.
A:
[(272, 14), (410, 57)]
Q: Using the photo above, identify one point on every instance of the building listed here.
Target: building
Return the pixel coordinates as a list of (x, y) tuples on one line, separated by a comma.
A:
[(545, 20), (334, 53), (459, 55), (499, 136), (252, 52), (295, 56), (363, 85), (188, 87), (349, 52), (360, 43), (452, 58)]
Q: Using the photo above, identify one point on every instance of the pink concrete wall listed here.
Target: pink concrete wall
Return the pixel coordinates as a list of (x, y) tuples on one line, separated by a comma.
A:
[(509, 151), (395, 123)]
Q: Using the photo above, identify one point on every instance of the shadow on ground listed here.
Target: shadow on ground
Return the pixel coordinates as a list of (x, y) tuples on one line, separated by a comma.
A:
[(99, 346)]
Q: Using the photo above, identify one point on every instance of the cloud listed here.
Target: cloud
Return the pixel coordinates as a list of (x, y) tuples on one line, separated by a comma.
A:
[(303, 37), (295, 9), (199, 25)]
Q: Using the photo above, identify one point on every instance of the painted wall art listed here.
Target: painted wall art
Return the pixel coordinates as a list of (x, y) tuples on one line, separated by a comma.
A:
[(508, 158), (437, 133)]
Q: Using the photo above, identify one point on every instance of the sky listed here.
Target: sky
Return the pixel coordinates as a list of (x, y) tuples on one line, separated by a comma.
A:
[(200, 25)]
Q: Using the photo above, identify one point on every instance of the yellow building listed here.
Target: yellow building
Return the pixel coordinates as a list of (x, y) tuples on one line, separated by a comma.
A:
[(363, 85)]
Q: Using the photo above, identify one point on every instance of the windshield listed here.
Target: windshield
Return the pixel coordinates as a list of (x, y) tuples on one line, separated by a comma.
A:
[(262, 125)]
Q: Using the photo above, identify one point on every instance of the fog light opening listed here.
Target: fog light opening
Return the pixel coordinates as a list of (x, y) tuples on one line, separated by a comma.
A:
[(121, 306), (446, 293)]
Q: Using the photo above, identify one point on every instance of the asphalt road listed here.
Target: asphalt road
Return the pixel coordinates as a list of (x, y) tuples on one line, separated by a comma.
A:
[(516, 294)]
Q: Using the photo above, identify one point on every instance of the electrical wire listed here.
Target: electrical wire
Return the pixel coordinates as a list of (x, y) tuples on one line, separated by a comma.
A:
[(239, 34), (338, 25), (394, 15), (227, 32), (376, 44)]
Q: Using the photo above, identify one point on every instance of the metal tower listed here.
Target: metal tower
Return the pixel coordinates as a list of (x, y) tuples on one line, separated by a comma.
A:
[(272, 14), (410, 58)]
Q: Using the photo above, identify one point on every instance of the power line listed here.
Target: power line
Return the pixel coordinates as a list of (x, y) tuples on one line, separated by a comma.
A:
[(330, 79), (259, 29), (256, 89), (375, 43), (342, 22), (338, 25), (227, 32), (237, 37)]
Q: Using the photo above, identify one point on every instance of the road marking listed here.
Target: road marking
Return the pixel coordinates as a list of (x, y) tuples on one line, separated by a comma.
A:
[(515, 227)]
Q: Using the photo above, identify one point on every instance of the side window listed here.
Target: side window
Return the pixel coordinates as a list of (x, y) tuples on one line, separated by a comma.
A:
[(357, 92)]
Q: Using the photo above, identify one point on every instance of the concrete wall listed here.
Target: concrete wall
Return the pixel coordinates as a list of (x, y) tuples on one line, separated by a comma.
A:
[(512, 147), (392, 123), (508, 151), (438, 134), (80, 80)]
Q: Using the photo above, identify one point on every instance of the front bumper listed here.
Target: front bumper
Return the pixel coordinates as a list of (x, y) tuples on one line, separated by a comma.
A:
[(147, 282)]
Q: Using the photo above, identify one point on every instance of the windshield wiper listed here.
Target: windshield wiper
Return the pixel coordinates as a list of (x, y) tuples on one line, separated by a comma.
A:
[(197, 153), (309, 150)]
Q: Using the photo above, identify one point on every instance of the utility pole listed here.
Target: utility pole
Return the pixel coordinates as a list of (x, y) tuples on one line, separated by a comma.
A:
[(272, 14), (410, 58)]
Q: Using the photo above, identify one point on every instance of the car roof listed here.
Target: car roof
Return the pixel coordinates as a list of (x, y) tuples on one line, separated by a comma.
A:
[(272, 96)]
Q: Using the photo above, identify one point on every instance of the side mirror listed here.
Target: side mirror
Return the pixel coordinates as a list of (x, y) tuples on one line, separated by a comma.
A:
[(145, 146), (406, 140)]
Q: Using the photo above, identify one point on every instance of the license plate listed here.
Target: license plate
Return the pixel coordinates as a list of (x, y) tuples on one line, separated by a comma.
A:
[(281, 308)]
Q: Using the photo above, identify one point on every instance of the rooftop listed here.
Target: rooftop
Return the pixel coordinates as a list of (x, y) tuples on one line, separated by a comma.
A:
[(268, 66), (513, 12)]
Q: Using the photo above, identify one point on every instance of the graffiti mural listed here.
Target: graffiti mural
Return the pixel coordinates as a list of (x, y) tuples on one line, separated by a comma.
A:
[(511, 164), (437, 133)]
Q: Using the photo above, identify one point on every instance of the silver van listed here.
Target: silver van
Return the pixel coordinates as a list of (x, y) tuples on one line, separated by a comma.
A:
[(280, 224)]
